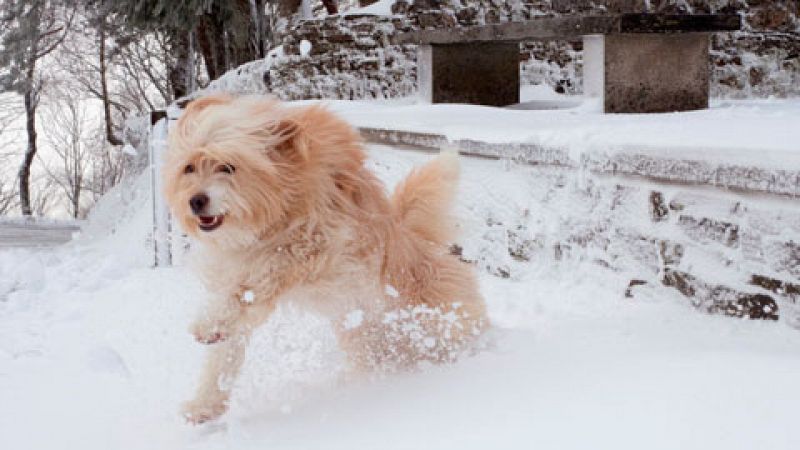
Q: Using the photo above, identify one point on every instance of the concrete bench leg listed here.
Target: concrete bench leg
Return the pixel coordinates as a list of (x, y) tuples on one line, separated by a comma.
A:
[(480, 74), (642, 73)]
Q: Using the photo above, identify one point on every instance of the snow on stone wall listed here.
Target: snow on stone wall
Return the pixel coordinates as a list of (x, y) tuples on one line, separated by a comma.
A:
[(349, 56), (762, 60), (726, 253), (346, 57), (338, 57)]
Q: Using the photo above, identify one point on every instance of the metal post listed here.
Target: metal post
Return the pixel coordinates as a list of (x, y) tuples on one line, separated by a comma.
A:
[(161, 225)]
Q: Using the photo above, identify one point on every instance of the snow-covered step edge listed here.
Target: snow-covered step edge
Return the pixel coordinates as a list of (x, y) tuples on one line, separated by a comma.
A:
[(32, 234), (619, 162)]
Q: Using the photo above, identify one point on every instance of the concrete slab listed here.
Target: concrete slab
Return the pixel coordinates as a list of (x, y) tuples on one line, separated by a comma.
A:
[(643, 73)]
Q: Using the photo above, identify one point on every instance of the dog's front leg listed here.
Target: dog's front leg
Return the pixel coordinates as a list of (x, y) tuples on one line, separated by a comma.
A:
[(223, 363), (215, 324)]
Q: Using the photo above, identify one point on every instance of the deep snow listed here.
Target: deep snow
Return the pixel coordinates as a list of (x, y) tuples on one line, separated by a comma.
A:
[(94, 353)]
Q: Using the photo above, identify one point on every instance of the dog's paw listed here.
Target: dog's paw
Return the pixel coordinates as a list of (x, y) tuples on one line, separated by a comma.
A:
[(200, 411), (209, 332)]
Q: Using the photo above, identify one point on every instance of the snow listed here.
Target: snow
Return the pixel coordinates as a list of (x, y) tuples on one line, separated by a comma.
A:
[(353, 319), (95, 353), (391, 291), (379, 8), (129, 150), (760, 133), (248, 296), (305, 47)]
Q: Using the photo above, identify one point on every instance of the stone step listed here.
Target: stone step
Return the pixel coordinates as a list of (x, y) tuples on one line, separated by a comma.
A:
[(627, 162)]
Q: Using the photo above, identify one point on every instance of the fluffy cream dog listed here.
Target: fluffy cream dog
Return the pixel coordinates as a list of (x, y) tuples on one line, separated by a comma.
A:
[(283, 209)]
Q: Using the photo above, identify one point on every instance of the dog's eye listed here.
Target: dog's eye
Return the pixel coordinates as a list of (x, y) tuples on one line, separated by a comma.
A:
[(188, 169), (226, 168)]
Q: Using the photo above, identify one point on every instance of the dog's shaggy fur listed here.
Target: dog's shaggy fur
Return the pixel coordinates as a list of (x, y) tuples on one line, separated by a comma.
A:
[(283, 209)]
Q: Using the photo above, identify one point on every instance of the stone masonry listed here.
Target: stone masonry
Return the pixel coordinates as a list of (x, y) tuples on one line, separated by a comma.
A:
[(350, 55)]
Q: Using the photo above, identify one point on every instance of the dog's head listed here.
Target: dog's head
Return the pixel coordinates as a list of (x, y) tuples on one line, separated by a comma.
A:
[(239, 169)]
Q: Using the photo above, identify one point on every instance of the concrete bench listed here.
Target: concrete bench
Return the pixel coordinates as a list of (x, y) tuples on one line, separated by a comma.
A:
[(635, 62)]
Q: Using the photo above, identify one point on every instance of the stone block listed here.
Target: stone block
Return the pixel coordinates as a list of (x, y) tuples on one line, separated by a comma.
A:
[(641, 73)]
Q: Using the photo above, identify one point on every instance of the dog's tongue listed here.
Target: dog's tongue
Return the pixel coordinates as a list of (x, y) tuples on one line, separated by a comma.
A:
[(207, 220)]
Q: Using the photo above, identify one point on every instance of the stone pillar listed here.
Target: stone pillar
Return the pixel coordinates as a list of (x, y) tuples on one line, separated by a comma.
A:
[(641, 73), (593, 65), (477, 73)]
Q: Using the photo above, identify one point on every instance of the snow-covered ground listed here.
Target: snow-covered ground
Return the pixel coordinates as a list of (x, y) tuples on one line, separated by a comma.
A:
[(94, 354)]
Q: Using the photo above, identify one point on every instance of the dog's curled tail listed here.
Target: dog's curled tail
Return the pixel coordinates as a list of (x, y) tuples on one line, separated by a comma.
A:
[(423, 201)]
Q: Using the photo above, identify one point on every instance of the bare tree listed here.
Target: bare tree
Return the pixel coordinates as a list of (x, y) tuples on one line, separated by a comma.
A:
[(107, 166), (126, 70), (8, 198), (44, 196), (69, 138), (9, 111), (140, 75), (8, 188), (31, 30), (9, 133)]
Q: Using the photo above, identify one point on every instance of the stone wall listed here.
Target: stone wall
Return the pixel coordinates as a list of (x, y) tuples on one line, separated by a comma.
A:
[(762, 60), (350, 57), (726, 252), (347, 57)]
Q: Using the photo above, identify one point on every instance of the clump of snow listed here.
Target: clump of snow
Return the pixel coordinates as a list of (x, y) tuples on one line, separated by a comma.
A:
[(391, 291), (248, 296), (379, 8), (129, 150), (353, 319), (305, 47)]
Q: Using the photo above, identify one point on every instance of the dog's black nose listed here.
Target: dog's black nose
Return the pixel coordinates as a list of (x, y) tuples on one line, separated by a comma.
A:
[(198, 203)]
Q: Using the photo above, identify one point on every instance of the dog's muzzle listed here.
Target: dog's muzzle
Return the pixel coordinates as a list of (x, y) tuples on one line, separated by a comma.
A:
[(199, 203)]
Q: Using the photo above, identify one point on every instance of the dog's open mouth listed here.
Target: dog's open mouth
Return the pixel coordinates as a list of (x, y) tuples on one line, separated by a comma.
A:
[(209, 223)]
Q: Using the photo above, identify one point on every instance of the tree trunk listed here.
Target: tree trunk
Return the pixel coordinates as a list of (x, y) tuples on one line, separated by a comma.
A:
[(110, 136), (76, 199), (286, 8), (259, 40), (244, 48), (191, 75), (210, 37), (177, 72), (331, 6), (30, 127)]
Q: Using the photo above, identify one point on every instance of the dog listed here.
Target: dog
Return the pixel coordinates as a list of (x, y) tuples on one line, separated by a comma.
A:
[(282, 208)]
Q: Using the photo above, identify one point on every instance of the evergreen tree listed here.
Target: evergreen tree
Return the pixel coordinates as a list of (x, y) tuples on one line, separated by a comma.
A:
[(226, 32)]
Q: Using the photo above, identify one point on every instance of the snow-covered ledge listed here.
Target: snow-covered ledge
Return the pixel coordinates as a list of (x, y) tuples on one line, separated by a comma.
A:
[(627, 161), (747, 146)]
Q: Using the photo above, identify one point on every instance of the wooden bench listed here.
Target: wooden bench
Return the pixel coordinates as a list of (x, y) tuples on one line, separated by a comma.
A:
[(634, 62)]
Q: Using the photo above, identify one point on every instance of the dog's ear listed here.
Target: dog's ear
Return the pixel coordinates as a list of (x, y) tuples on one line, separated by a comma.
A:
[(197, 105), (291, 138)]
